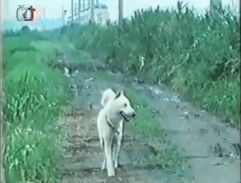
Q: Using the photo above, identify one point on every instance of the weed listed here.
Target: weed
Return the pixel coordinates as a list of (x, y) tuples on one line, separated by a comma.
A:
[(197, 55), (34, 98), (149, 126)]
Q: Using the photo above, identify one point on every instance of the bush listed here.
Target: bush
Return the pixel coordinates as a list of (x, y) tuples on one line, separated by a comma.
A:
[(197, 55), (34, 99)]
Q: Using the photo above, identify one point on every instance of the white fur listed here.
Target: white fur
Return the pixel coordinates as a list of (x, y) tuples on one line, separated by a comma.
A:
[(106, 96), (110, 141)]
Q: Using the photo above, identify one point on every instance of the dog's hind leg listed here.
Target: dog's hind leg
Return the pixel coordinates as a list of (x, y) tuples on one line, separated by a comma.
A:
[(108, 154), (104, 161), (103, 164), (103, 148)]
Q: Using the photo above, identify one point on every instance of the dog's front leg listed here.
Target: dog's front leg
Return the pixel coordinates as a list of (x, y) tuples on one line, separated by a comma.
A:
[(104, 163), (114, 148), (118, 145), (119, 139), (109, 161)]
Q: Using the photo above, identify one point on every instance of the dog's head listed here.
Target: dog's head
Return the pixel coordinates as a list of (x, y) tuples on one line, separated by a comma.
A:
[(123, 106)]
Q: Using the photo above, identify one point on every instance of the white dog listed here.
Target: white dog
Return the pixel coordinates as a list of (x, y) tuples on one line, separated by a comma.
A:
[(116, 110)]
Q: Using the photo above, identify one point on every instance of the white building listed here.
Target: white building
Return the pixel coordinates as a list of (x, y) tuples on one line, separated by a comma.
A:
[(101, 15)]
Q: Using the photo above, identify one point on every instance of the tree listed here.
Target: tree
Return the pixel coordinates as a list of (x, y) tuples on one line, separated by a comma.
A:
[(25, 29)]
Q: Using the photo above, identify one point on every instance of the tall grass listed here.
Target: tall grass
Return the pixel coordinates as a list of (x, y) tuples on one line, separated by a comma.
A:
[(197, 55), (35, 96)]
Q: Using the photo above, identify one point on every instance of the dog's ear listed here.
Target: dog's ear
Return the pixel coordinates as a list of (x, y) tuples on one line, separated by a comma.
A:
[(119, 93)]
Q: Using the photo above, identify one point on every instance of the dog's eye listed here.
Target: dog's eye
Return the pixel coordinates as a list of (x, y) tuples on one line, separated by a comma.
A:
[(125, 104)]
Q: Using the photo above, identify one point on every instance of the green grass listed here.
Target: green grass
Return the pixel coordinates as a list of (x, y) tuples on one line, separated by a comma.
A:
[(35, 95), (145, 122), (48, 49), (148, 124), (197, 55)]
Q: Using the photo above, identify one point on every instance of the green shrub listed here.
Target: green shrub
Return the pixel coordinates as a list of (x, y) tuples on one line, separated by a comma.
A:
[(35, 96), (198, 55)]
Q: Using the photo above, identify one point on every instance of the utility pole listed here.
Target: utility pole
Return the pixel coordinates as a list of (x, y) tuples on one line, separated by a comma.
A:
[(72, 11), (89, 4), (92, 11), (63, 16), (79, 11), (44, 18), (120, 11), (83, 7)]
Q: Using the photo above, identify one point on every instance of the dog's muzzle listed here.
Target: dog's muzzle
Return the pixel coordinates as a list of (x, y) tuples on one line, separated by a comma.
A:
[(127, 118)]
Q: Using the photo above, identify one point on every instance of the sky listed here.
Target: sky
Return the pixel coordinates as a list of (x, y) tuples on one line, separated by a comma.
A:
[(53, 8)]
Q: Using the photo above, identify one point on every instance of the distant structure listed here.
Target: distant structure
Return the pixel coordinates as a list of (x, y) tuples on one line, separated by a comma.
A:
[(101, 15), (214, 5)]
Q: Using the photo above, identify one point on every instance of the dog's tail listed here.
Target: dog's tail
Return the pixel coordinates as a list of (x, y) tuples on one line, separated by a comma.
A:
[(107, 95)]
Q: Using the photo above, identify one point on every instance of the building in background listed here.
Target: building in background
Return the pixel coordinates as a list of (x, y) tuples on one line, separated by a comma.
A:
[(101, 15)]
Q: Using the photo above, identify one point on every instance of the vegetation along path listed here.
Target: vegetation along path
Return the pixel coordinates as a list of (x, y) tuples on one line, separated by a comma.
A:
[(170, 140)]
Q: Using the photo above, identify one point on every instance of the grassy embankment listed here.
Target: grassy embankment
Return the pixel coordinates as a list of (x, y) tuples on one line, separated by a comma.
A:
[(35, 96), (197, 55)]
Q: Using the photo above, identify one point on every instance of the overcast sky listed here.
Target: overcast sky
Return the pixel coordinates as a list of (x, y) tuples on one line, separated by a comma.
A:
[(53, 7)]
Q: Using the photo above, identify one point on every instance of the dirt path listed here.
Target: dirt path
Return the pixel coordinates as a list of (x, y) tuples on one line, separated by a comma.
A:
[(210, 147)]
